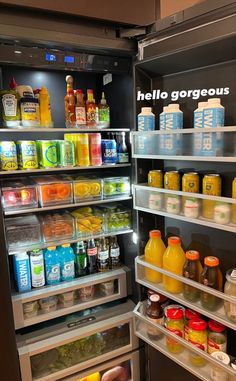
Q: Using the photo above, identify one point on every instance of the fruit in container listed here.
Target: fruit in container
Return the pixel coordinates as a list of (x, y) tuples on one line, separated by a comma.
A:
[(57, 226), (54, 190), (84, 188), (115, 186), (86, 221)]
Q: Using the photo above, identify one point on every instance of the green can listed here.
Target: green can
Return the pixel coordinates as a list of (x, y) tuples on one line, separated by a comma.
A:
[(47, 153), (27, 154), (66, 153)]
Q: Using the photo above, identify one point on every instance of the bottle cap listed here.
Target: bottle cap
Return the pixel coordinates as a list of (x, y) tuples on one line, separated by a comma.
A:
[(202, 104), (214, 100), (193, 255), (215, 326), (65, 245), (154, 233), (190, 314), (211, 261), (222, 357), (165, 108), (174, 241), (89, 91), (70, 92), (146, 109), (79, 91), (103, 100), (51, 248), (197, 324), (174, 313), (154, 298), (13, 84), (174, 106)]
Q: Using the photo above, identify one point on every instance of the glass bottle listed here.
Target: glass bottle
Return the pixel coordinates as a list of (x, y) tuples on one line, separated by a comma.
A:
[(103, 113), (114, 253), (90, 109), (80, 259), (197, 336), (175, 324), (154, 313), (192, 270), (80, 109), (103, 256), (122, 150), (230, 289), (173, 261), (92, 252), (211, 277), (217, 337), (153, 254)]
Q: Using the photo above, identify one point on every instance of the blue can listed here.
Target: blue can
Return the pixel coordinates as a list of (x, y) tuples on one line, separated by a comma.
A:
[(109, 151)]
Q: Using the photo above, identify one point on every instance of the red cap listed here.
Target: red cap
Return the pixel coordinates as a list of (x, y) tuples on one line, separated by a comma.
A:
[(215, 326), (12, 84), (197, 324), (190, 314), (174, 313), (71, 91), (90, 91), (79, 91), (154, 233), (174, 241)]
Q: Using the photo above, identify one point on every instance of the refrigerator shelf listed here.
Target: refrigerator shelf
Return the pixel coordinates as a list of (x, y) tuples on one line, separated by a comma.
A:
[(117, 277), (218, 315), (143, 195), (141, 326), (56, 130), (65, 206), (225, 159)]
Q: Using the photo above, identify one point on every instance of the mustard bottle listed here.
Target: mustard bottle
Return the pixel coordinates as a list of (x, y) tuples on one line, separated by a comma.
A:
[(45, 108)]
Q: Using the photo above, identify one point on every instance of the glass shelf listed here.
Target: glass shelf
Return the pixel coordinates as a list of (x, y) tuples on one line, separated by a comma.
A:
[(212, 144), (68, 297), (45, 129), (212, 296), (142, 326), (188, 207)]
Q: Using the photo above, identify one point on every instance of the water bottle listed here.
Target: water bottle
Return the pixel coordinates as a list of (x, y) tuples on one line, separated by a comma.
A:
[(162, 126), (198, 122), (213, 114), (67, 262), (22, 272), (146, 119), (173, 121), (52, 265)]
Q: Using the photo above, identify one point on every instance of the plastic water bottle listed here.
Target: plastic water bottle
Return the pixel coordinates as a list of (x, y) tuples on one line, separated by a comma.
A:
[(146, 119), (162, 126), (214, 115), (198, 122), (22, 272), (67, 262), (52, 265), (173, 121)]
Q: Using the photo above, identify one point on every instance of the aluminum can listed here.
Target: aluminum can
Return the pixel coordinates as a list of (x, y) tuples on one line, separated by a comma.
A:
[(47, 151), (66, 153), (172, 180), (109, 151), (95, 145), (155, 178), (8, 156), (82, 147), (27, 154), (191, 182)]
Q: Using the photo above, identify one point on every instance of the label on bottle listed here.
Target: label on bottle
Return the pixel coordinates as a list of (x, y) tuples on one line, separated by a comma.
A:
[(92, 251), (37, 270), (80, 115), (115, 256), (53, 273), (81, 262), (123, 157), (91, 114), (104, 114), (68, 270), (152, 331), (9, 102), (103, 255), (212, 346)]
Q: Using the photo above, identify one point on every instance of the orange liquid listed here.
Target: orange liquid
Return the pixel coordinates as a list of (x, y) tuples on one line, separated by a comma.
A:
[(154, 251)]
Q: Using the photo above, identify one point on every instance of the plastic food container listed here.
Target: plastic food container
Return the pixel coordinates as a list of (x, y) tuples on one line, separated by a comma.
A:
[(48, 304), (87, 189), (23, 231), (19, 194), (218, 374), (67, 299), (53, 190), (107, 288), (86, 293), (30, 309), (57, 226), (116, 186), (87, 222), (115, 217)]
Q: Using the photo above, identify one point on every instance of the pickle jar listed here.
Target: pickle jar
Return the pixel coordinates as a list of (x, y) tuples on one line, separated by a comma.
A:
[(197, 336), (175, 324), (189, 315), (217, 337)]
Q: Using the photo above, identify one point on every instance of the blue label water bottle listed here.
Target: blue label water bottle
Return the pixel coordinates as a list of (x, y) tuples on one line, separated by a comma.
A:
[(67, 262), (22, 272)]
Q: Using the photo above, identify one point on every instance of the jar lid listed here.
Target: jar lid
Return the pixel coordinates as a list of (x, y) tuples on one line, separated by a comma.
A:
[(211, 261), (231, 275), (190, 314), (174, 241), (215, 326), (222, 357), (174, 313), (155, 298), (154, 233), (193, 255), (197, 324)]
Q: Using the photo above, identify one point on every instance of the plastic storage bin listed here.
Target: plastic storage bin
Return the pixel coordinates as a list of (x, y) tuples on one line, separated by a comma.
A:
[(57, 227), (87, 222), (87, 189), (19, 194), (54, 190), (115, 217), (22, 231), (116, 186)]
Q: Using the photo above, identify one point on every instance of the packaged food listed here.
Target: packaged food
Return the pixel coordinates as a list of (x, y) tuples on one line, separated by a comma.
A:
[(107, 288), (30, 309), (154, 313), (27, 154), (174, 323), (192, 270), (30, 115), (211, 185), (155, 201), (217, 337), (191, 207), (20, 193), (48, 304), (191, 182), (222, 212), (10, 108), (57, 226), (189, 315), (197, 335), (87, 189), (155, 178), (173, 204), (47, 153), (230, 289), (172, 180), (217, 373), (22, 231), (67, 299), (87, 222), (116, 186), (54, 190), (86, 293), (212, 277), (8, 156)]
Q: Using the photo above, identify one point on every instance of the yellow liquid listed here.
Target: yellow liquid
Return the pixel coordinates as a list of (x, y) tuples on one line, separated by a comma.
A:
[(173, 261), (154, 251)]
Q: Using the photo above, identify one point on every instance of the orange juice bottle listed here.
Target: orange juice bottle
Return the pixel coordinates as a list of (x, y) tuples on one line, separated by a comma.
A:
[(153, 254), (173, 261)]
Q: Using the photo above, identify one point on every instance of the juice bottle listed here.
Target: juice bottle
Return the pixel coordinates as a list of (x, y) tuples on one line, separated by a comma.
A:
[(192, 270), (67, 262), (212, 277), (45, 108), (153, 254), (173, 261), (90, 109)]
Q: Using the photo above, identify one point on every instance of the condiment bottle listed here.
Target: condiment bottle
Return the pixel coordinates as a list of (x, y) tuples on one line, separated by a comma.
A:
[(175, 324), (164, 301), (80, 109), (69, 102), (197, 336), (189, 315), (90, 109), (211, 277), (230, 289), (45, 108), (154, 313), (10, 105), (217, 338), (153, 254), (103, 113), (192, 270), (173, 261)]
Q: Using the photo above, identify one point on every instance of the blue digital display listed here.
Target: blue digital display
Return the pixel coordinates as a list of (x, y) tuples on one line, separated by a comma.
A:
[(69, 59), (50, 57)]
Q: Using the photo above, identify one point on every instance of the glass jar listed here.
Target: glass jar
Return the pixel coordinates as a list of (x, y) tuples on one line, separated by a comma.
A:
[(230, 289), (219, 374), (192, 270), (197, 336), (189, 315), (217, 338), (175, 324)]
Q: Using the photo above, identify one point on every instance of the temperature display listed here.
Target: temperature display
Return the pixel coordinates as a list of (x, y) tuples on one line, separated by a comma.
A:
[(50, 57), (69, 59)]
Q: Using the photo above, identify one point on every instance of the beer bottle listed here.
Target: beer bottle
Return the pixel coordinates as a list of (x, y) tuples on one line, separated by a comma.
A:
[(103, 256), (114, 253), (92, 252)]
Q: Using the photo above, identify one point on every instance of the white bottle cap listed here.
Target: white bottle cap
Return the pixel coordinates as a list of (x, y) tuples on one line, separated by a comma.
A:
[(146, 110), (174, 106), (214, 101), (221, 357), (202, 104), (165, 108)]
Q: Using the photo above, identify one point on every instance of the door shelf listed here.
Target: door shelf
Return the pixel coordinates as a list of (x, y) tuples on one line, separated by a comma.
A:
[(65, 206), (43, 245), (56, 130), (142, 325), (218, 315), (100, 292), (154, 200)]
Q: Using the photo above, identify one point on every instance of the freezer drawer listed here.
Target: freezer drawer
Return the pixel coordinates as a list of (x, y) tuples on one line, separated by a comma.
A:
[(37, 305), (60, 351), (129, 362)]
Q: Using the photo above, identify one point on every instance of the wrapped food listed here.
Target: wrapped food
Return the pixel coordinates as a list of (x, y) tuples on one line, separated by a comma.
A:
[(54, 190), (57, 226)]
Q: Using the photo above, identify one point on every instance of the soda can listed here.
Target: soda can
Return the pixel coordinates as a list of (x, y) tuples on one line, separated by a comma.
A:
[(66, 153), (83, 159), (191, 182), (47, 151), (27, 154), (8, 156), (172, 180), (95, 145), (109, 151), (155, 178), (211, 186)]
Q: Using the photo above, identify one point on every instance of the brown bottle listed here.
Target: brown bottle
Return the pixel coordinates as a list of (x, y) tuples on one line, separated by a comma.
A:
[(154, 313), (192, 270), (103, 256), (211, 277), (114, 253)]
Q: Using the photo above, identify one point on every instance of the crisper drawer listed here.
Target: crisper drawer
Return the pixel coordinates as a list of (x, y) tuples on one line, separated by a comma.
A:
[(123, 367), (187, 355), (53, 301), (60, 351)]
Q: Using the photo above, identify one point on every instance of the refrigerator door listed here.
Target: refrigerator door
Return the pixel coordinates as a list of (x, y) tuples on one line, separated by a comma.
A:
[(54, 353)]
